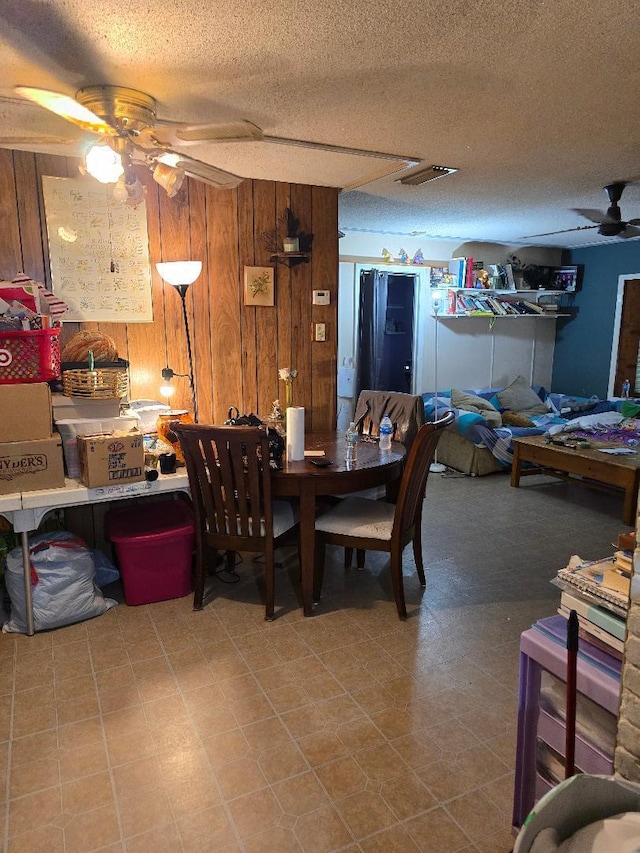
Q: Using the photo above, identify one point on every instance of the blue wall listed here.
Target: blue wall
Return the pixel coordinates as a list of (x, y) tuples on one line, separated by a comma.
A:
[(582, 354)]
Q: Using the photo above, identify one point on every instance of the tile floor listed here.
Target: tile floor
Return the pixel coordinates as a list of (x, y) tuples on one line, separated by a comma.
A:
[(158, 729)]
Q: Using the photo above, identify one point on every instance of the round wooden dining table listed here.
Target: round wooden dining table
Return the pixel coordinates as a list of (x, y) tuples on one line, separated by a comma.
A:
[(306, 481)]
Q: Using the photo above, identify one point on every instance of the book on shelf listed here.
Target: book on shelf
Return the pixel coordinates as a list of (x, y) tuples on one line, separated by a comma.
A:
[(599, 644), (533, 306), (468, 273), (511, 282), (476, 268), (592, 630), (508, 307), (496, 307), (498, 271), (604, 619), (457, 269)]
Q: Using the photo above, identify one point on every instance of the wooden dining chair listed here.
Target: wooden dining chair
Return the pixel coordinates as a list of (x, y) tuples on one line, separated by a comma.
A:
[(371, 525), (406, 412), (230, 484)]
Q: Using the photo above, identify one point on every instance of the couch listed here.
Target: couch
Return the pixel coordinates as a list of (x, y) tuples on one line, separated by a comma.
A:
[(480, 441)]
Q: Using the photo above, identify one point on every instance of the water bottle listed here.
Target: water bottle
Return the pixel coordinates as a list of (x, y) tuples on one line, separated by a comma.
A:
[(626, 387), (351, 444), (386, 432)]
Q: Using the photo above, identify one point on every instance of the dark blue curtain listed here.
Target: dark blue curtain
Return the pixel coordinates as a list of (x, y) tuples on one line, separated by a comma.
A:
[(372, 317)]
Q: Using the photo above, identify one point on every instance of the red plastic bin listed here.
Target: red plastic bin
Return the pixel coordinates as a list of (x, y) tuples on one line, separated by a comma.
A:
[(154, 545), (31, 356)]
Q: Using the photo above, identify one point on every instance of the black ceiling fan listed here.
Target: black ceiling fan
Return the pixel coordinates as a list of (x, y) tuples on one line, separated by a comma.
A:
[(609, 224)]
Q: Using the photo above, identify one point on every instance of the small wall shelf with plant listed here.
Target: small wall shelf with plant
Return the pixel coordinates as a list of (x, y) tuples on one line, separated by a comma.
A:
[(294, 247)]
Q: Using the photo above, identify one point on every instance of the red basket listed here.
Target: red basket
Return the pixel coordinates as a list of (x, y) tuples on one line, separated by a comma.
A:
[(29, 356)]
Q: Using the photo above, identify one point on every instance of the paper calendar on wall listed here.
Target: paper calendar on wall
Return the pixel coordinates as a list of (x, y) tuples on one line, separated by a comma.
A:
[(98, 251)]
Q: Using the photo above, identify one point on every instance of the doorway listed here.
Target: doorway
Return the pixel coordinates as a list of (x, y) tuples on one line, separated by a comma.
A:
[(383, 343), (408, 357), (625, 350), (397, 342)]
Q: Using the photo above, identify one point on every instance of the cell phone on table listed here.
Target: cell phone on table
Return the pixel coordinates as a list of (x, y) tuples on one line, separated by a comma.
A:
[(321, 463)]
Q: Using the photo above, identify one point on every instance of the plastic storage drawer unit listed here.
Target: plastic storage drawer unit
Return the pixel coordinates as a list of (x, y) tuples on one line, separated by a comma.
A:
[(154, 545)]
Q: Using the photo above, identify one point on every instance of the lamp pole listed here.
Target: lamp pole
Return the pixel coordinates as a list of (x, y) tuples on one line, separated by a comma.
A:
[(436, 297), (182, 290)]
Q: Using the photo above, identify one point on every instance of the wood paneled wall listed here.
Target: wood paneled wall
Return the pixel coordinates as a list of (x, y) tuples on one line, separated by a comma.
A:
[(237, 349)]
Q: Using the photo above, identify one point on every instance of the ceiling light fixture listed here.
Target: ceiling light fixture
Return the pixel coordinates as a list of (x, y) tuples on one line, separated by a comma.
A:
[(169, 178), (427, 173), (103, 163)]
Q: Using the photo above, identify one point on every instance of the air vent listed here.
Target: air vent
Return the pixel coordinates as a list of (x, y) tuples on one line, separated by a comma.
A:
[(428, 173)]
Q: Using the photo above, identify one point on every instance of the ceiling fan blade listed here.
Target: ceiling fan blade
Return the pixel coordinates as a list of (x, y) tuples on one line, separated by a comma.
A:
[(630, 231), (593, 215), (564, 231), (200, 171), (68, 108), (15, 141), (633, 222), (172, 133)]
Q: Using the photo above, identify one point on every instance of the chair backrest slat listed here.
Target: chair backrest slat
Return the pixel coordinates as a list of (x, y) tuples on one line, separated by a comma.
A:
[(416, 472), (229, 477)]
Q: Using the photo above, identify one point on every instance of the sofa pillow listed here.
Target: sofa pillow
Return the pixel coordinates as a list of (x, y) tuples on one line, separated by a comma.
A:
[(472, 403), (520, 397)]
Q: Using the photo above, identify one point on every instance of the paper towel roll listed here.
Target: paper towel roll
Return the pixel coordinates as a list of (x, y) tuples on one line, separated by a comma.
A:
[(295, 433)]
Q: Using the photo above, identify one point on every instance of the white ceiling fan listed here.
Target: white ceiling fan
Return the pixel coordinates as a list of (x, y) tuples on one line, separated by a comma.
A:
[(128, 132)]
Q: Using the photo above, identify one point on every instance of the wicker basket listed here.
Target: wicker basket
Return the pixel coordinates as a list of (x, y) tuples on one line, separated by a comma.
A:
[(99, 384)]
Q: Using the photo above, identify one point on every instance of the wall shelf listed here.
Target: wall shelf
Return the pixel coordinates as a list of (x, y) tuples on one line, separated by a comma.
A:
[(290, 259), (546, 315)]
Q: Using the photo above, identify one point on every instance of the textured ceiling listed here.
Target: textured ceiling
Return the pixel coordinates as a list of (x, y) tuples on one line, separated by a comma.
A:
[(534, 101)]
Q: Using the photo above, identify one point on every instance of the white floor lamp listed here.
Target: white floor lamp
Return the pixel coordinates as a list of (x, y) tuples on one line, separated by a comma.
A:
[(437, 298)]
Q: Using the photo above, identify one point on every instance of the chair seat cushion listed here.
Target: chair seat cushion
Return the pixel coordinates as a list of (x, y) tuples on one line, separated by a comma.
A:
[(361, 517), (284, 517)]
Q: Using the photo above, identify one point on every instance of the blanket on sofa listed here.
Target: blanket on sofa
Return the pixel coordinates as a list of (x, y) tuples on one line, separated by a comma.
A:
[(562, 412)]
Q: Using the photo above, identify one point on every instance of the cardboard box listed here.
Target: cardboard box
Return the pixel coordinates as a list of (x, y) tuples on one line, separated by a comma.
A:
[(27, 466), (108, 460), (25, 412), (79, 407)]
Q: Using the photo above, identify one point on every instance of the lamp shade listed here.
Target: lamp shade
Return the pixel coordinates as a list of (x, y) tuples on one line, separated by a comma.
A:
[(179, 272)]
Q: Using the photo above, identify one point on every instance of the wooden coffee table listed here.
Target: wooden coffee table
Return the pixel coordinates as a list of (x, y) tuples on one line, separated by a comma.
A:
[(588, 465)]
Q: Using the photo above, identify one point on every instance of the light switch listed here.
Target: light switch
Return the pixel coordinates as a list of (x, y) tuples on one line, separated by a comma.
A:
[(321, 297), (320, 332)]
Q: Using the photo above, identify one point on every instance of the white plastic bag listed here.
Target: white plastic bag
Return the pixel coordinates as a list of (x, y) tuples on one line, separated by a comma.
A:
[(65, 591)]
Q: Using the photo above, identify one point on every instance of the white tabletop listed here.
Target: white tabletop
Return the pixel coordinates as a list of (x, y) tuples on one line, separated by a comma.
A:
[(74, 493)]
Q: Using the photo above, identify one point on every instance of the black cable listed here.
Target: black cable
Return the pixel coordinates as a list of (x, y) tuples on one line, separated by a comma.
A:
[(232, 575)]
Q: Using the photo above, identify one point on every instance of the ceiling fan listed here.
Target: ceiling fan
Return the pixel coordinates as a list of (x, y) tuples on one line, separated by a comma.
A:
[(128, 133), (609, 224)]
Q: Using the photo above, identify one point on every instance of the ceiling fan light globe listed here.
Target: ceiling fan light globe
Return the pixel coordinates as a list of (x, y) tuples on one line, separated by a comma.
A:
[(169, 178), (103, 163)]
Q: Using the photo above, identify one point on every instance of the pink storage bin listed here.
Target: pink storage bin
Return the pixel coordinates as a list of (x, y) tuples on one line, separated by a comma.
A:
[(154, 545)]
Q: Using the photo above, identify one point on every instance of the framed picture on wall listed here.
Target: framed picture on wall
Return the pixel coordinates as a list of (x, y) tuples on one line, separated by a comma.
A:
[(565, 278), (259, 286)]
